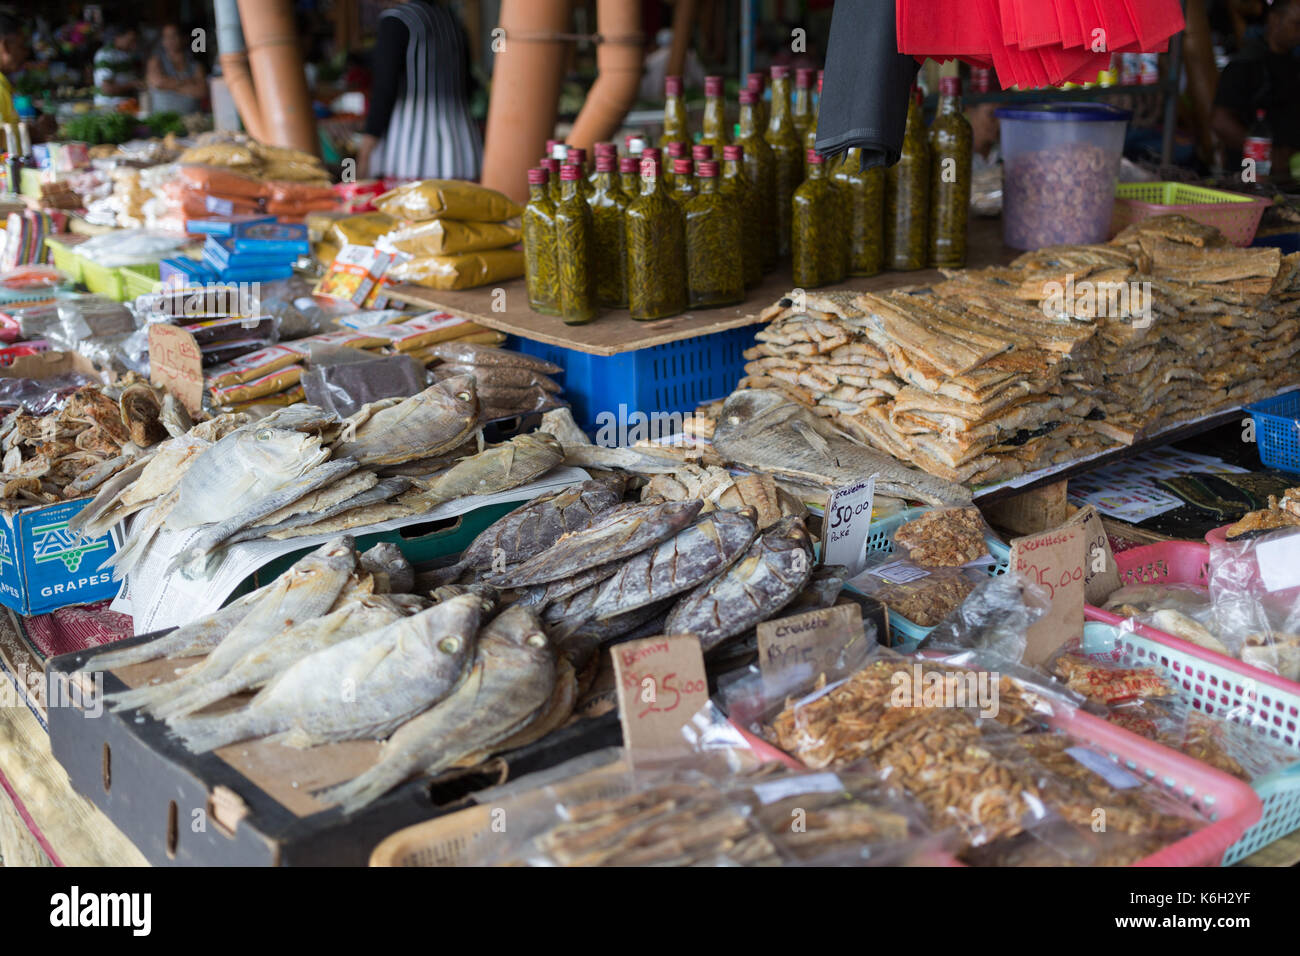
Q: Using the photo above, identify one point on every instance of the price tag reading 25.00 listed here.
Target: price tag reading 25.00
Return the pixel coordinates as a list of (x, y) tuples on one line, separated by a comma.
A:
[(661, 686), (846, 524)]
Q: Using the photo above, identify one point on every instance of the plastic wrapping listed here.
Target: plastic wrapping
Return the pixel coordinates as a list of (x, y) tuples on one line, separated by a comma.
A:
[(40, 396), (994, 619), (127, 247), (88, 316), (944, 538), (449, 199), (461, 271), (443, 237), (342, 387), (1261, 625), (923, 596)]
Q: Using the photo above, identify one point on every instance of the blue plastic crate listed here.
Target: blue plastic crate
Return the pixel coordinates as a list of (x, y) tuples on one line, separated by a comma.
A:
[(1277, 431), (675, 377)]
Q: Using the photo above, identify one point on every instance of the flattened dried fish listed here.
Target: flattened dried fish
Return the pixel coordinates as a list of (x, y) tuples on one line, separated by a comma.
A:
[(380, 492), (508, 376), (544, 595), (512, 679), (435, 421), (771, 573), (316, 502), (393, 673), (467, 353), (608, 538), (500, 468)]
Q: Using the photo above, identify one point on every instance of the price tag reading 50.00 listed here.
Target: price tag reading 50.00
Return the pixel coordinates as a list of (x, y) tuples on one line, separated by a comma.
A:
[(847, 523), (661, 686)]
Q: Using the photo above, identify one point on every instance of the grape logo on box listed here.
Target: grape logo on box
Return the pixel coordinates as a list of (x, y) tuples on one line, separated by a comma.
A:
[(54, 542), (132, 910)]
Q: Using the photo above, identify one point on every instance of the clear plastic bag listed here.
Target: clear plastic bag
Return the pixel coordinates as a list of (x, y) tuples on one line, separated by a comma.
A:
[(994, 618), (924, 596), (342, 384), (1261, 626), (944, 538), (88, 316), (41, 396), (128, 247)]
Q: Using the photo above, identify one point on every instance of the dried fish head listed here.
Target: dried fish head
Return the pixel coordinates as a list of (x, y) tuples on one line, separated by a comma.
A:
[(438, 419), (141, 410)]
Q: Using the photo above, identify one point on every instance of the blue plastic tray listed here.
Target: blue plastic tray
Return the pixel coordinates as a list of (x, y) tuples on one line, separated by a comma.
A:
[(675, 377), (1277, 431)]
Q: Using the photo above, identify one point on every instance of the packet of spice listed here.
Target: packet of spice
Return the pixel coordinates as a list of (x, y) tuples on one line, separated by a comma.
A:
[(276, 381)]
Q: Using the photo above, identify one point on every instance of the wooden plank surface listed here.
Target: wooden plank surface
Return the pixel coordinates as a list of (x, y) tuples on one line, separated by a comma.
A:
[(614, 331)]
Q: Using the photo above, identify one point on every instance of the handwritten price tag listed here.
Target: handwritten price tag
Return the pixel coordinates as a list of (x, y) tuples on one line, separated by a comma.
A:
[(661, 686), (1100, 572), (176, 362), (813, 640), (846, 523), (1054, 560)]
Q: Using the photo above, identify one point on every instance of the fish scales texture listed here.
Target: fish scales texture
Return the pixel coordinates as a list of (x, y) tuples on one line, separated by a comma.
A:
[(248, 463), (512, 678), (763, 430), (545, 595), (307, 590), (279, 651), (501, 468), (389, 566), (328, 496), (213, 536), (310, 524), (534, 527), (689, 558), (363, 687), (426, 424), (611, 537), (767, 577)]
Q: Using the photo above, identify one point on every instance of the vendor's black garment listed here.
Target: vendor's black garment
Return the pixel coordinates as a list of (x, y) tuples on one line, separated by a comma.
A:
[(865, 85), (1264, 80)]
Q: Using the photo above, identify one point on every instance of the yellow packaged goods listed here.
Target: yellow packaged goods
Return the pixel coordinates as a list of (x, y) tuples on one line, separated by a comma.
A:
[(290, 396), (460, 272), (354, 274), (268, 384), (343, 338), (486, 337), (220, 154), (245, 368), (362, 230), (447, 199), (444, 237), (424, 330)]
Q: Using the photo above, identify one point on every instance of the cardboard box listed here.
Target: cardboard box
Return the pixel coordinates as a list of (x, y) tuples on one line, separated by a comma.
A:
[(41, 568)]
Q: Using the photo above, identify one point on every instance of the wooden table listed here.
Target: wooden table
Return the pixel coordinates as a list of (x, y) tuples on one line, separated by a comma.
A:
[(615, 331)]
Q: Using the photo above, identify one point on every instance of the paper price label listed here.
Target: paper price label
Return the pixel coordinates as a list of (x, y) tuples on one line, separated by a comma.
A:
[(1279, 562), (900, 572), (846, 524), (1116, 776), (814, 639), (1053, 560), (1100, 572), (661, 685), (176, 363)]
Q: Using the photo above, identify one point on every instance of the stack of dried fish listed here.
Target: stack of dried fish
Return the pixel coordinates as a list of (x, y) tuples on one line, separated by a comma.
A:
[(302, 472), (98, 431), (510, 384), (1070, 350), (445, 684)]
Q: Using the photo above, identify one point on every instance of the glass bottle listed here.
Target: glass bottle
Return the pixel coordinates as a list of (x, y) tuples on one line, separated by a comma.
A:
[(540, 267), (801, 102), (584, 188), (674, 151), (676, 123), (633, 145), (683, 188), (756, 83), (787, 156), (736, 187), (627, 176), (702, 153), (656, 250), (715, 115), (760, 168), (714, 273), (951, 147), (810, 131), (609, 244), (573, 241), (552, 167), (907, 200), (816, 232), (862, 192), (602, 149)]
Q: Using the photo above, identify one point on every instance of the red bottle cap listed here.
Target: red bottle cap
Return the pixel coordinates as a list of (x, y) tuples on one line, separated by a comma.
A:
[(748, 97), (677, 149), (950, 86), (652, 152), (713, 86), (605, 163), (755, 83), (577, 155), (570, 172), (672, 86), (627, 164), (707, 169), (815, 157), (682, 167), (780, 72), (538, 177), (733, 152), (603, 149), (703, 151), (649, 167), (551, 165), (550, 146), (803, 78)]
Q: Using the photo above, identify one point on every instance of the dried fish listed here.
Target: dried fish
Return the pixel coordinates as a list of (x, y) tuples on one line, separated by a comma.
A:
[(369, 507), (392, 572), (468, 353), (500, 468), (436, 420)]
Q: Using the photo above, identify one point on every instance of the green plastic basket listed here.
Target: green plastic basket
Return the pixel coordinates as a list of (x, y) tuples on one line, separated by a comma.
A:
[(65, 258), (1234, 215), (140, 280), (104, 280)]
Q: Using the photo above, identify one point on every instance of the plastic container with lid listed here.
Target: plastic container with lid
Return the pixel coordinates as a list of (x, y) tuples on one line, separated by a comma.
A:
[(1061, 164)]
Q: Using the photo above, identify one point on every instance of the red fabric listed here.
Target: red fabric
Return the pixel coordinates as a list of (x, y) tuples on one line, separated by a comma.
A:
[(1037, 24), (77, 628)]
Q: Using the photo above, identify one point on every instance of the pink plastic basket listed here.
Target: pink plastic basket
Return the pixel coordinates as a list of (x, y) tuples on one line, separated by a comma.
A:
[(1234, 215)]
